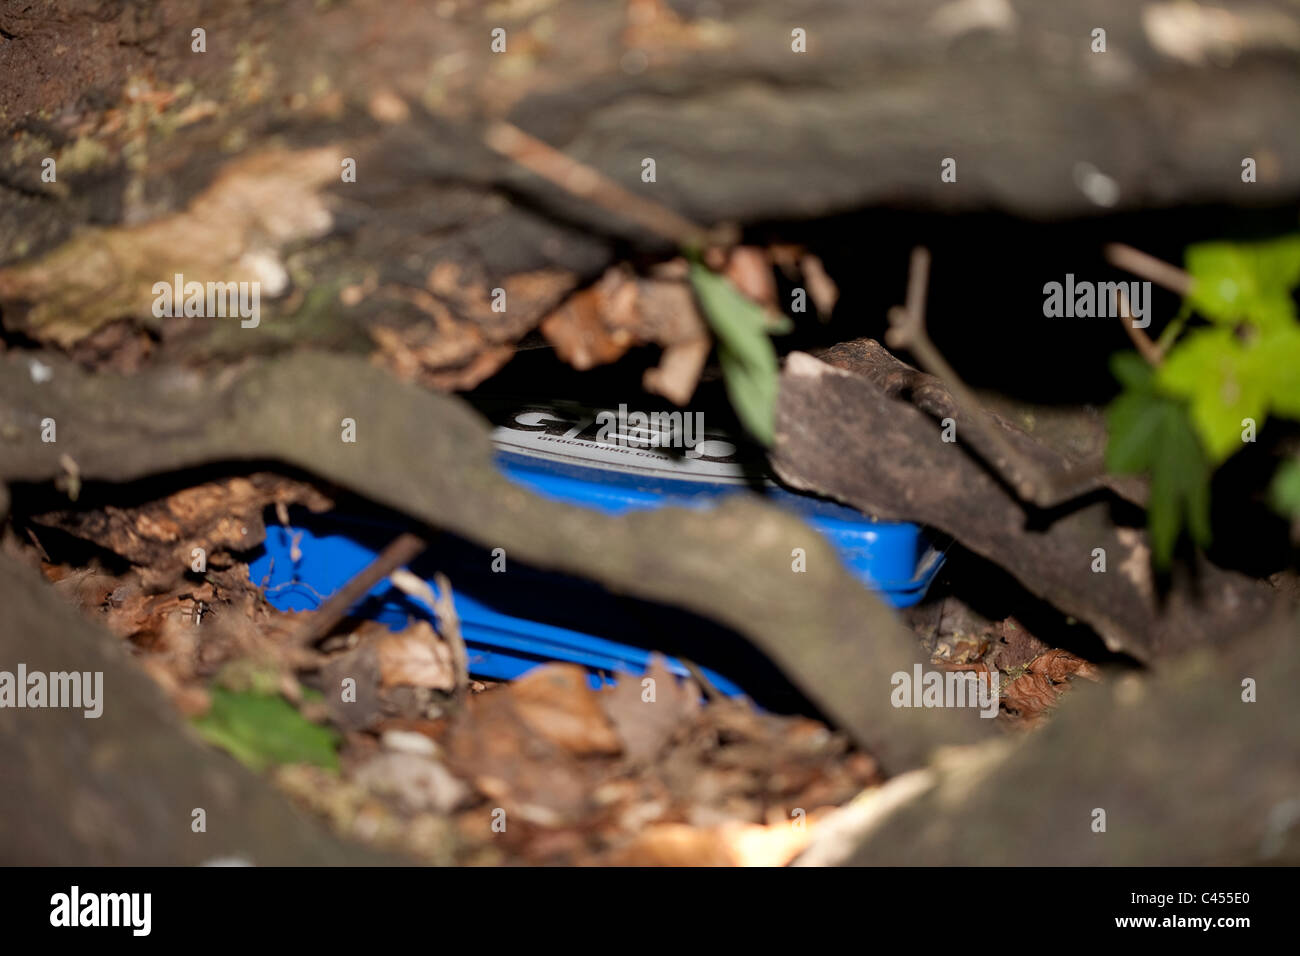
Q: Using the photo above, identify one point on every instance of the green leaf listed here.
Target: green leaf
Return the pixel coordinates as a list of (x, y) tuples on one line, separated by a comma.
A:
[(749, 365), (1152, 433), (1180, 487), (1131, 369), (1219, 376), (1181, 420), (1284, 493), (1134, 420), (1278, 369), (264, 729), (1245, 281)]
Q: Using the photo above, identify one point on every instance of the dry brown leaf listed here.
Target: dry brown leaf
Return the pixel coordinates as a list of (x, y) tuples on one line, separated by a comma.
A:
[(597, 325), (677, 844), (580, 335), (517, 769), (558, 704), (415, 657), (646, 726), (821, 287), (750, 269), (807, 270), (960, 651), (1058, 666), (668, 313), (1030, 695), (678, 371), (1046, 678)]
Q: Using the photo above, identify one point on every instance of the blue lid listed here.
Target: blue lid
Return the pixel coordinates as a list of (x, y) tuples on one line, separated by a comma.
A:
[(617, 461)]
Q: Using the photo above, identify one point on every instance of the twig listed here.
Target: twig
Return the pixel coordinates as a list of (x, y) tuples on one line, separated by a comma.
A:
[(1030, 480), (289, 584), (697, 674), (581, 180), (907, 331), (1146, 348), (449, 625), (405, 547), (1148, 267), (39, 547)]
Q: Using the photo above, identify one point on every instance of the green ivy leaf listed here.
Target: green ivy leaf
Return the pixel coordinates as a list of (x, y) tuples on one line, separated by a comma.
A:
[(1278, 369), (1152, 433), (749, 365), (1132, 370), (264, 729), (1284, 493), (1183, 419), (1219, 376), (1245, 281)]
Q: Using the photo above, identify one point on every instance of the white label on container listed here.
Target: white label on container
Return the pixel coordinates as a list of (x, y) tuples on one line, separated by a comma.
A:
[(576, 434)]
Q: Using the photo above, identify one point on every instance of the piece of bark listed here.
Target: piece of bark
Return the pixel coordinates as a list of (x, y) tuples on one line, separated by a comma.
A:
[(1069, 477), (842, 435)]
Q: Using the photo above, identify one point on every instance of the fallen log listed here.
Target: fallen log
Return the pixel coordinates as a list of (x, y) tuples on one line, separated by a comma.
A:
[(842, 435)]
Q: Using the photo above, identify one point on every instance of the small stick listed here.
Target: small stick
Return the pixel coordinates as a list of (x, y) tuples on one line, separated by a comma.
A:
[(581, 180), (39, 547), (1146, 348), (449, 624), (403, 548), (697, 674), (1148, 267), (907, 330)]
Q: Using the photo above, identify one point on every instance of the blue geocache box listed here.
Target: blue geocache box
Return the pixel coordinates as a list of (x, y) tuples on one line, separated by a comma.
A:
[(514, 621)]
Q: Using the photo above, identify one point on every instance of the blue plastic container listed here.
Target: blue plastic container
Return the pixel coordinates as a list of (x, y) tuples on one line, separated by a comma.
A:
[(511, 622)]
